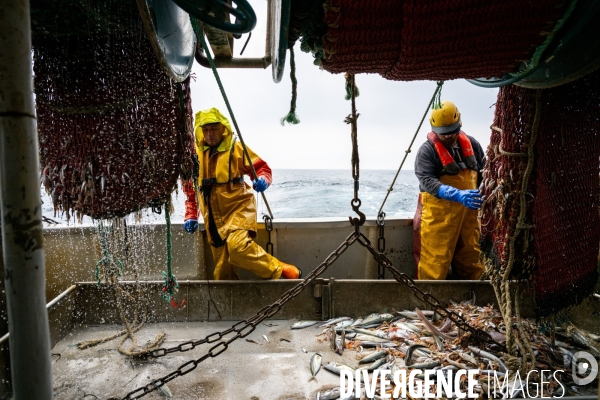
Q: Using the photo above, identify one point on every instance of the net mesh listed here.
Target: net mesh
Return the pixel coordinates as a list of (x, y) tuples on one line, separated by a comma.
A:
[(540, 220), (114, 130), (437, 40)]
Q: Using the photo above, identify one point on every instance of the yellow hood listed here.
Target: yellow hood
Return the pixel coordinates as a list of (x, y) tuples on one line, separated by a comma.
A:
[(211, 116)]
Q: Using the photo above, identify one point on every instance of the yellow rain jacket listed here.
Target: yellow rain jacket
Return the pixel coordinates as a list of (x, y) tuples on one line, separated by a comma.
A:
[(227, 203)]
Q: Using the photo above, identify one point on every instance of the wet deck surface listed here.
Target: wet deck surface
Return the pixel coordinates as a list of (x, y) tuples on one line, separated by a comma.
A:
[(274, 370)]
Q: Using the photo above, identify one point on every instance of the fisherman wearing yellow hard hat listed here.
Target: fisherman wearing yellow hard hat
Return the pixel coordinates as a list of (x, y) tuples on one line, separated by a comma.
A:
[(227, 204), (445, 224)]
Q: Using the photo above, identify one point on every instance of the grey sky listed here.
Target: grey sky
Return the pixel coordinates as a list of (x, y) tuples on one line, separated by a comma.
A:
[(390, 111)]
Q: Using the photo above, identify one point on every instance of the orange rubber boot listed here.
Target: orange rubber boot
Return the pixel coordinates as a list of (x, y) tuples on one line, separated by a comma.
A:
[(288, 271)]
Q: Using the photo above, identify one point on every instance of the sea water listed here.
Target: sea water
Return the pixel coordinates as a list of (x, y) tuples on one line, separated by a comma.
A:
[(307, 193)]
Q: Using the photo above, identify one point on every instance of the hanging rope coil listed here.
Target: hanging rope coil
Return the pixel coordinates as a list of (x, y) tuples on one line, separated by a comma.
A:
[(291, 117)]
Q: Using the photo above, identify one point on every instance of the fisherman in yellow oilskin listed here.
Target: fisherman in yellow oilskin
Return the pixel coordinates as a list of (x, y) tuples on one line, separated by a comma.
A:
[(445, 224), (227, 204)]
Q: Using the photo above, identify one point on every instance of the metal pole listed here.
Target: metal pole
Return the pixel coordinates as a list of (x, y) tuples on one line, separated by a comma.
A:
[(22, 235)]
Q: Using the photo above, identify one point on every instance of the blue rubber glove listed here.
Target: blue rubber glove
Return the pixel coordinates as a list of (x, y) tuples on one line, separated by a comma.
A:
[(190, 225), (469, 198), (260, 185)]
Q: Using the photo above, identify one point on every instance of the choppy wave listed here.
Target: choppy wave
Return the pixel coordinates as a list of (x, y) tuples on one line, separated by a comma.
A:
[(312, 194)]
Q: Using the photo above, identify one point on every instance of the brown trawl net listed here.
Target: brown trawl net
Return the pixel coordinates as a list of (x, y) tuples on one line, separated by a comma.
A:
[(540, 221), (432, 40), (114, 130)]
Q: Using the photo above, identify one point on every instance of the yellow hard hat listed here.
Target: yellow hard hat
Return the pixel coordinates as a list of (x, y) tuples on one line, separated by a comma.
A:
[(446, 118)]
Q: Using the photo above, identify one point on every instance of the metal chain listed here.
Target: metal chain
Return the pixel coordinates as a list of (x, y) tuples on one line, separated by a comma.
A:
[(269, 228), (352, 120), (425, 297), (241, 329), (247, 326), (381, 243)]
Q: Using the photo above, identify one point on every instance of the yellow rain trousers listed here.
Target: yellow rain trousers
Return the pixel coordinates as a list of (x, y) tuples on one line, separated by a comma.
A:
[(242, 251), (446, 232), (231, 203)]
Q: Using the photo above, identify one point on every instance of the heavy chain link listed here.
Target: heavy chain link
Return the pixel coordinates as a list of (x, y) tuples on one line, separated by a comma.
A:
[(381, 243), (241, 329), (425, 297), (269, 228)]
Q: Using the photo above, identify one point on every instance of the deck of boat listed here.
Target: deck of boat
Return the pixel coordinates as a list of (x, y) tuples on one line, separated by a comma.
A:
[(277, 369)]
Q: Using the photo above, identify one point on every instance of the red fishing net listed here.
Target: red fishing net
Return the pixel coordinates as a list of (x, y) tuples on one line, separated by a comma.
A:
[(435, 40), (114, 130), (540, 220)]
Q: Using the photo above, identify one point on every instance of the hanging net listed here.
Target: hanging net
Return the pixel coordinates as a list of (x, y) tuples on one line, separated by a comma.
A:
[(414, 40), (114, 130), (540, 220)]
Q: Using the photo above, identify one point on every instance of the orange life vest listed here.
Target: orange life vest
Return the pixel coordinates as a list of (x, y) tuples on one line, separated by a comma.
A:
[(451, 167)]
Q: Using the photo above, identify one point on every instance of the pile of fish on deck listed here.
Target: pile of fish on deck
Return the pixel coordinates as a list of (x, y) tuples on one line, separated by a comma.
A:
[(419, 340)]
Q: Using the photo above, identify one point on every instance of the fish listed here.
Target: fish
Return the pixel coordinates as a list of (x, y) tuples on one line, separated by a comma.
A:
[(315, 364), (487, 355), (373, 356), (410, 352), (266, 338), (339, 348), (409, 327), (413, 315), (303, 324), (446, 325), (304, 350), (356, 322), (370, 338), (430, 326), (376, 319), (331, 336), (350, 334), (336, 367), (497, 336), (367, 343), (376, 364), (426, 365), (333, 321), (253, 341), (331, 394), (165, 391), (377, 334), (344, 324)]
